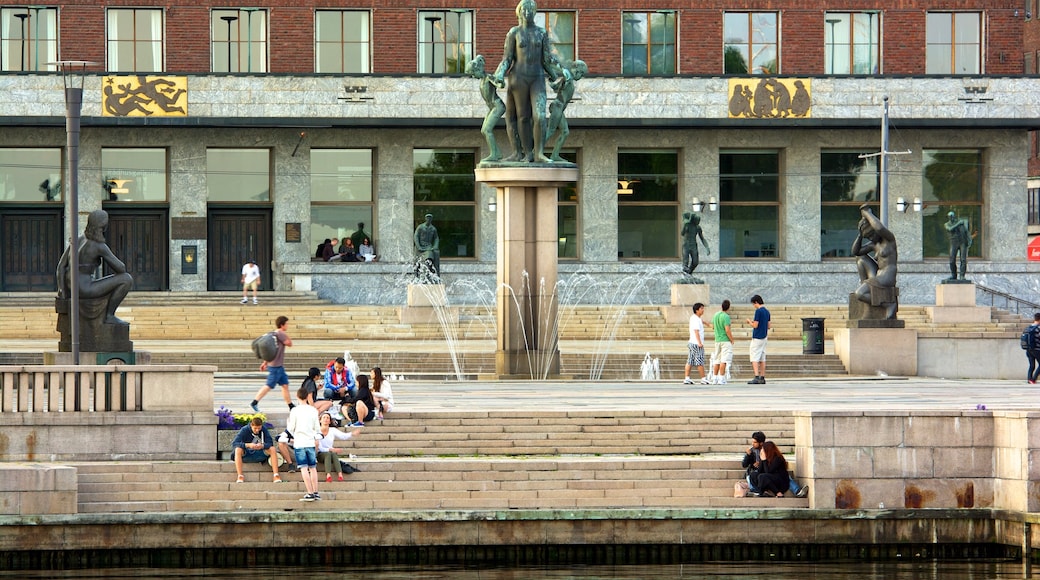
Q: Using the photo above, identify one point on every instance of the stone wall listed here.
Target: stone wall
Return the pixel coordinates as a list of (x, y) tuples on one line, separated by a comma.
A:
[(927, 459)]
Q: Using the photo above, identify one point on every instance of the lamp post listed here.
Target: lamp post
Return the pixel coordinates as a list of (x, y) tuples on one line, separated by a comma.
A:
[(433, 20), (25, 41), (73, 74), (249, 37), (832, 22), (229, 20)]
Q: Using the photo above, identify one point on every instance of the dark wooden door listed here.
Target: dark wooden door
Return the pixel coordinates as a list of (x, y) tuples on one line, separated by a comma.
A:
[(235, 236), (31, 242), (140, 238)]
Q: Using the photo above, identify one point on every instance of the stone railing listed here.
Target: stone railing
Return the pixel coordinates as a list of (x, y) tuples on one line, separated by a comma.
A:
[(90, 412)]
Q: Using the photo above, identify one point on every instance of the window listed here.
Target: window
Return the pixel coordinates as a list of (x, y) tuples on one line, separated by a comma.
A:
[(749, 204), (952, 182), (341, 41), (30, 175), (648, 216), (445, 42), (445, 185), (560, 27), (852, 43), (954, 43), (135, 40), (847, 181), (238, 175), (239, 40), (750, 43), (1033, 206), (133, 174), (341, 193), (648, 43), (28, 38), (567, 222)]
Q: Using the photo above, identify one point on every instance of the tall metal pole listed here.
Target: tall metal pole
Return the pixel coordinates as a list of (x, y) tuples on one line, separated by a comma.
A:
[(832, 22), (884, 163), (25, 40), (433, 20), (229, 20)]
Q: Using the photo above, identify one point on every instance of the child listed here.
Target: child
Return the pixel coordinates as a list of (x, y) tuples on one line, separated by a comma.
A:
[(305, 430)]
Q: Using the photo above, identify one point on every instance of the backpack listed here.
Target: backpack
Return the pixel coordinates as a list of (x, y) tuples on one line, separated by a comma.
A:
[(1029, 340), (265, 347)]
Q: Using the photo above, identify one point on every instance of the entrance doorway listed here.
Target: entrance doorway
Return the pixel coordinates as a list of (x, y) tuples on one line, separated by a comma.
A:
[(31, 242), (235, 236), (140, 238)]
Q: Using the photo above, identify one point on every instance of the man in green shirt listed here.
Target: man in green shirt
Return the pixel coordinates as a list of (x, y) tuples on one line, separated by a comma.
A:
[(723, 354)]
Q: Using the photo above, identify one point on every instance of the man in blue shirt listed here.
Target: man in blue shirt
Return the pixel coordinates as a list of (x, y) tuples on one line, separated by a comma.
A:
[(760, 325)]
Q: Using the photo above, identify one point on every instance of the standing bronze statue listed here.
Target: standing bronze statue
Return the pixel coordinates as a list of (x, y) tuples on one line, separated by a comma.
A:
[(877, 272), (691, 230), (526, 60), (960, 234), (427, 244)]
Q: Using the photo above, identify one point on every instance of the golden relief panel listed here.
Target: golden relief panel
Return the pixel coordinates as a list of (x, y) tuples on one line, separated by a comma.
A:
[(144, 96), (770, 98)]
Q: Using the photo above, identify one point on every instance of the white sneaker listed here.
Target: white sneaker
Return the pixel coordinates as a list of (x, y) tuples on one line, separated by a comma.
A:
[(722, 381), (255, 302), (244, 301), (687, 381), (705, 381)]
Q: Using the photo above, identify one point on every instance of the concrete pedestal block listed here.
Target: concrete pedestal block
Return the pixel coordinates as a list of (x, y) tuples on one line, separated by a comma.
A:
[(958, 314), (37, 488), (684, 296), (521, 364), (427, 295), (865, 351), (137, 357), (955, 294)]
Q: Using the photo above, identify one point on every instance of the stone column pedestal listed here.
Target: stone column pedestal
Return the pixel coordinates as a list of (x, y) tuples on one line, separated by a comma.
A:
[(528, 240), (955, 303), (424, 301), (866, 351), (684, 296)]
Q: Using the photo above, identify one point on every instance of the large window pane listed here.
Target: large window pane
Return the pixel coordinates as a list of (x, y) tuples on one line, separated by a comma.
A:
[(28, 38), (952, 182), (133, 174), (239, 40), (341, 193), (847, 180), (567, 223), (560, 27), (30, 175), (445, 185), (953, 43), (339, 221), (135, 40), (648, 43), (750, 43), (341, 41), (238, 175), (851, 43), (648, 217), (445, 41), (749, 204)]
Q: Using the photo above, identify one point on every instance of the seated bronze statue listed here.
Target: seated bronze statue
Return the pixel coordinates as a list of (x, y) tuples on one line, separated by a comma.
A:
[(94, 252)]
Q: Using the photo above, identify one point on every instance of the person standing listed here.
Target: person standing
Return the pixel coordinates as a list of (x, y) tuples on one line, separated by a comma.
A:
[(275, 368), (960, 240), (250, 279), (306, 432), (696, 345), (1034, 354), (723, 353), (760, 325)]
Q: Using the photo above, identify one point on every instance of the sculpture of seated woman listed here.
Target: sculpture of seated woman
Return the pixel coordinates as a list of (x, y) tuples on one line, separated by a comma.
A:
[(94, 252)]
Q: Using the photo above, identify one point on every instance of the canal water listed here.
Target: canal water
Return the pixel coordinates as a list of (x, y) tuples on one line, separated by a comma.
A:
[(888, 570)]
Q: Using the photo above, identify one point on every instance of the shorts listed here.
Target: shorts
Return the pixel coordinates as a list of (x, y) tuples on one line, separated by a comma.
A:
[(276, 376), (758, 350), (250, 285), (696, 356), (306, 457), (254, 456), (723, 352)]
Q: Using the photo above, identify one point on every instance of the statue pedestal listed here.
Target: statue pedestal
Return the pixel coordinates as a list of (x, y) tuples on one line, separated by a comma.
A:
[(139, 357), (868, 351), (424, 301), (955, 303), (684, 296), (528, 246), (94, 334)]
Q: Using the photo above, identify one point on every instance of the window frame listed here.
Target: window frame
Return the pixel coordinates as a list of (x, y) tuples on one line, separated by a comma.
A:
[(852, 204), (950, 31), (342, 42), (112, 42), (350, 214), (648, 43), (749, 43), (463, 47), (770, 249), (936, 209), (848, 44), (106, 181), (569, 196), (211, 199), (28, 39), (52, 171), (219, 37), (636, 181), (420, 207), (544, 19)]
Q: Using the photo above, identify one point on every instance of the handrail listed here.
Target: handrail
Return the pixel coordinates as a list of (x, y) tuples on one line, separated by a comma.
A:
[(1008, 299)]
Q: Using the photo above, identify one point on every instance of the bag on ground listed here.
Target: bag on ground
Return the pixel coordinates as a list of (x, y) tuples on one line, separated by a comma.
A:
[(265, 347), (740, 489)]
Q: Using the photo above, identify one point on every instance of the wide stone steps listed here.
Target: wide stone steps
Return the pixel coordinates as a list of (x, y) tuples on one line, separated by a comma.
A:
[(606, 482)]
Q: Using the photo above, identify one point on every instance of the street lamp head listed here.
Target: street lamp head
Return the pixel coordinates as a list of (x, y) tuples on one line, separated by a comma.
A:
[(73, 72)]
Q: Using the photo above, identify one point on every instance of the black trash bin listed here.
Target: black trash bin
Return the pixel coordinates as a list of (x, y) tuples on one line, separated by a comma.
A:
[(812, 336)]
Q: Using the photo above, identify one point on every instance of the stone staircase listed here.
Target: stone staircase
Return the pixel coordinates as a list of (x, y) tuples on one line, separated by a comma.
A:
[(483, 460)]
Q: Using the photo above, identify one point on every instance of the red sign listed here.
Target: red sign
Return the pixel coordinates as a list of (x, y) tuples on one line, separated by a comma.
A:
[(1033, 250)]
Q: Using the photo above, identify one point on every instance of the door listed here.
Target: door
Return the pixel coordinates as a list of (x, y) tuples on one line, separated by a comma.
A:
[(140, 238), (31, 243), (235, 236)]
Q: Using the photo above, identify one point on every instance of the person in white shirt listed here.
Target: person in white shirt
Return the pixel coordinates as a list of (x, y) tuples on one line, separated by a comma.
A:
[(306, 432), (696, 345), (382, 393), (326, 451), (250, 279)]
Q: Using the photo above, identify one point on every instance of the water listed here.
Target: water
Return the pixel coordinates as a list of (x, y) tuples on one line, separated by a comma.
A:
[(888, 570)]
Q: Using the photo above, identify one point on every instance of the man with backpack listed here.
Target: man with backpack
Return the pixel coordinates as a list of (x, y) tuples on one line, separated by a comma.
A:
[(275, 368), (1031, 344)]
